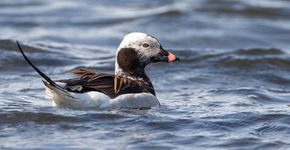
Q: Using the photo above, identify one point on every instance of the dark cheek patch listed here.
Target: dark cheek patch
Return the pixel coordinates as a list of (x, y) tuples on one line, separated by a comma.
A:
[(128, 59)]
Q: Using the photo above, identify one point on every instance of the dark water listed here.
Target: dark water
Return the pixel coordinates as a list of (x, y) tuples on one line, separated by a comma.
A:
[(230, 91)]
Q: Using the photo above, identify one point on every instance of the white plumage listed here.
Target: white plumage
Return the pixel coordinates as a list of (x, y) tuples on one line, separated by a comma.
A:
[(97, 99)]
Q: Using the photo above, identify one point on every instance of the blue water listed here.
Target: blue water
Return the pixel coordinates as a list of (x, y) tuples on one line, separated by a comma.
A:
[(230, 91)]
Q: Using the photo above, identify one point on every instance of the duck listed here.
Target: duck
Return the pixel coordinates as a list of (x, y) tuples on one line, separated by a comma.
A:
[(129, 87)]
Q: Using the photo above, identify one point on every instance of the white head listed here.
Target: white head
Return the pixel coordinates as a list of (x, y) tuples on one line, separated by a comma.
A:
[(145, 45), (138, 50)]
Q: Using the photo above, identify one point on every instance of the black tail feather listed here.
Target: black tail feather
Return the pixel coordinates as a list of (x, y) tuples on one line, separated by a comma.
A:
[(44, 76)]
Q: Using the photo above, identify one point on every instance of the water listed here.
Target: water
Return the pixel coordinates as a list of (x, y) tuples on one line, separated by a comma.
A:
[(230, 91)]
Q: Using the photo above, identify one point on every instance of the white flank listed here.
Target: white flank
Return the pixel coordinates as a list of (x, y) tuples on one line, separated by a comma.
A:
[(97, 99)]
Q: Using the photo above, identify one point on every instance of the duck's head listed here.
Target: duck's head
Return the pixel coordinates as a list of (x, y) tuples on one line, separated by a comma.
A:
[(137, 50)]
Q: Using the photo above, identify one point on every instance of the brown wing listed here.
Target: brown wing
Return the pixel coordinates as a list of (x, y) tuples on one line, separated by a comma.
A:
[(108, 84)]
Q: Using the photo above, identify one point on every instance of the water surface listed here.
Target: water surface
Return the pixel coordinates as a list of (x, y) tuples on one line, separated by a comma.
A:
[(230, 91)]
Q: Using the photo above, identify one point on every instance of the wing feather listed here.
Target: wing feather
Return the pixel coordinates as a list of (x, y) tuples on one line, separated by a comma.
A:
[(108, 84)]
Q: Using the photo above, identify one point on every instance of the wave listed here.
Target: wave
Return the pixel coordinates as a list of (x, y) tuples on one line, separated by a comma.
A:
[(10, 45), (259, 51), (240, 59), (63, 55), (10, 117), (247, 8), (40, 54), (46, 118)]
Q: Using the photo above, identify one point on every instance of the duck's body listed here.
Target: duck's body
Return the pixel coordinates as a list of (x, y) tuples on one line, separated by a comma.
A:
[(101, 90), (94, 99), (130, 87)]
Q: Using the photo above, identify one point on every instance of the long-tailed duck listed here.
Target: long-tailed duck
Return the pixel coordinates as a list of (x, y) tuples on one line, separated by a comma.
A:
[(130, 87)]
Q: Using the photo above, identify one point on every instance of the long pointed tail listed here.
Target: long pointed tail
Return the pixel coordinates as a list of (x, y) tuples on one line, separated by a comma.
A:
[(44, 76)]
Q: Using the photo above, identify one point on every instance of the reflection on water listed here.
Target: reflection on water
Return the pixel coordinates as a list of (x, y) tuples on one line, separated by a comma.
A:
[(230, 91)]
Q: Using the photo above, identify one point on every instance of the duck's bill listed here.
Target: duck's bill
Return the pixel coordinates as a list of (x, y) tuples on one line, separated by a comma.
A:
[(171, 57), (164, 56)]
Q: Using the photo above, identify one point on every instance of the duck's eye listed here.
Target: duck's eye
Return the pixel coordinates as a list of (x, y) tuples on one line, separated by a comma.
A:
[(145, 45)]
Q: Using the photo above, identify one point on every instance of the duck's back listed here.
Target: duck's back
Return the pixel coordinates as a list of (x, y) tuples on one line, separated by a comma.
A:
[(108, 84)]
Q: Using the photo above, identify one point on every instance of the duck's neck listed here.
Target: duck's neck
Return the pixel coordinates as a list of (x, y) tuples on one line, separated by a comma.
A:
[(128, 65), (137, 74)]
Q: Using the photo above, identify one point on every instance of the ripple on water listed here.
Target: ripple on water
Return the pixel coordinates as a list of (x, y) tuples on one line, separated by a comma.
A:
[(16, 117), (224, 94), (248, 9)]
